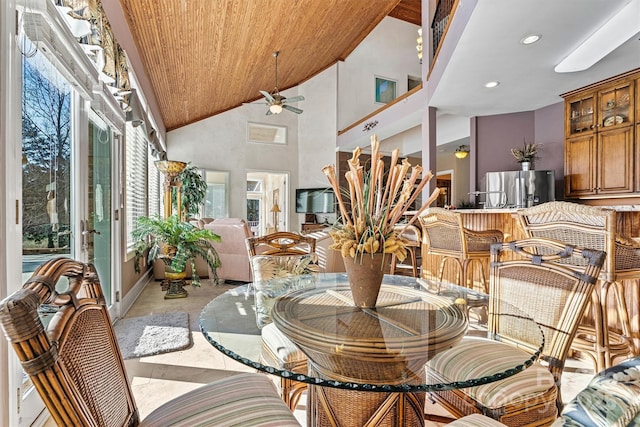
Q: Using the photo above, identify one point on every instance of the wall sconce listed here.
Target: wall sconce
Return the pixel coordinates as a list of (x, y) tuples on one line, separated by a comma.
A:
[(461, 152), (419, 45)]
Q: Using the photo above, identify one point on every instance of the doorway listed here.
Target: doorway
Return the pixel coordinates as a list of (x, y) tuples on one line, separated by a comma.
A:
[(444, 181), (267, 201)]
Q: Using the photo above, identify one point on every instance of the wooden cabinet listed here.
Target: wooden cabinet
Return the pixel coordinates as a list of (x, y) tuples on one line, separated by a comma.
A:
[(602, 145), (307, 227)]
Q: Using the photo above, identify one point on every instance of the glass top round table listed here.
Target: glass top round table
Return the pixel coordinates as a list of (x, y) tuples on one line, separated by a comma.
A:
[(385, 349)]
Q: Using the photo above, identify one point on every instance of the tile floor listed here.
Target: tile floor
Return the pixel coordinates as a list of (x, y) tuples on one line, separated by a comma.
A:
[(156, 379)]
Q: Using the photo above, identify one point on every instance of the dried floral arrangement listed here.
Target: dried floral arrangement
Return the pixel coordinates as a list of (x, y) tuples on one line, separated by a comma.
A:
[(528, 153), (378, 203)]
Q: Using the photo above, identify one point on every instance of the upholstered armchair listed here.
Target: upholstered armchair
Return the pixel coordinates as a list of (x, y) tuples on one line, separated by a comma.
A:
[(232, 250)]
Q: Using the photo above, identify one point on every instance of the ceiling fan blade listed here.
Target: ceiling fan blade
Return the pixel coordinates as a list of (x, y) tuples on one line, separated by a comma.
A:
[(292, 108), (267, 95), (294, 99)]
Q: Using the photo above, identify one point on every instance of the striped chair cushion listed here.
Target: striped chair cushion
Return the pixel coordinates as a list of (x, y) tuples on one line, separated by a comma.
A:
[(239, 400), (611, 399), (476, 420), (285, 353), (477, 357)]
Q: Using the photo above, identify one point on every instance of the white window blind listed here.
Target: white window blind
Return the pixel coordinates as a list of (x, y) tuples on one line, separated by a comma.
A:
[(155, 188), (137, 152)]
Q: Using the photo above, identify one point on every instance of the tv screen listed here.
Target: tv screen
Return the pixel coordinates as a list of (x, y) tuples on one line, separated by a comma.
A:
[(315, 200)]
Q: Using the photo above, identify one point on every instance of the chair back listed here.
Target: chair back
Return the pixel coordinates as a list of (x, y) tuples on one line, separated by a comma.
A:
[(580, 225), (281, 243), (72, 355), (409, 232), (280, 263), (443, 232), (554, 295)]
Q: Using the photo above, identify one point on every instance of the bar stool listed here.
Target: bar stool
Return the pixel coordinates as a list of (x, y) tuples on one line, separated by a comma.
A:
[(411, 234), (445, 235), (593, 227)]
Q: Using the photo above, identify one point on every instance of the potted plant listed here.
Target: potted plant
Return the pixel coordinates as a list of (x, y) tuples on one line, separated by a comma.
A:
[(527, 154), (175, 242), (194, 191), (366, 232)]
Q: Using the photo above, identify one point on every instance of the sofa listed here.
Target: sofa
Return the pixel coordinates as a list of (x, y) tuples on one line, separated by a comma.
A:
[(232, 250)]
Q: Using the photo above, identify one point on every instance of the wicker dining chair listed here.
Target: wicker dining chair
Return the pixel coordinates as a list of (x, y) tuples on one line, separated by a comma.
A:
[(412, 235), (593, 227), (555, 296), (283, 256), (75, 364), (446, 236)]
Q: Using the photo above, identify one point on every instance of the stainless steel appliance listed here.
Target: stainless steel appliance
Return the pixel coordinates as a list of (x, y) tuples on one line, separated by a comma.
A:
[(519, 189)]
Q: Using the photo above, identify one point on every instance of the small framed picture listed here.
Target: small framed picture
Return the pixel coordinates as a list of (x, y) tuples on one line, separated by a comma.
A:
[(385, 90)]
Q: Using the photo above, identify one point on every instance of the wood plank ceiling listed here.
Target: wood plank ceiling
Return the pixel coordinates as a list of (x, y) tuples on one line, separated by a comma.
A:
[(205, 57)]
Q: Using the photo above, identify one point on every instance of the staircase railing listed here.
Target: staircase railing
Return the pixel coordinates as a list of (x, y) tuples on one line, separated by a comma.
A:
[(444, 11)]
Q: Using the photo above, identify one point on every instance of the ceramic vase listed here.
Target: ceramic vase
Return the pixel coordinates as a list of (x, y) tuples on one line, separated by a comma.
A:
[(365, 274), (527, 166)]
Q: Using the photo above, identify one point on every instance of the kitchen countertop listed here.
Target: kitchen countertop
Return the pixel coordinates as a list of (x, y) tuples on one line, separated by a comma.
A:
[(617, 208)]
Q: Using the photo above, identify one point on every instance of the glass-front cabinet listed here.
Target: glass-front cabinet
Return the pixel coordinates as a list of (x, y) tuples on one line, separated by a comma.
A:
[(581, 113), (601, 142), (615, 105)]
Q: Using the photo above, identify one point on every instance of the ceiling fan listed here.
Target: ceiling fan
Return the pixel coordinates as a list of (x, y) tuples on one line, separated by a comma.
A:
[(277, 102)]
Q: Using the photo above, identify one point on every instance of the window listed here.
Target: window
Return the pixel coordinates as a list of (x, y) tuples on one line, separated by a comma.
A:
[(216, 201), (155, 184), (266, 134), (412, 82), (46, 150), (385, 90), (136, 169)]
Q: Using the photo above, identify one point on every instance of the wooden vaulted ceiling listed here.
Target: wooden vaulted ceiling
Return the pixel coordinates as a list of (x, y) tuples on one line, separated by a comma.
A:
[(205, 57)]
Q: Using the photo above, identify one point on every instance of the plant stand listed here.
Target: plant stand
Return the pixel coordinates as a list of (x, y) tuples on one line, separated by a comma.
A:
[(174, 283)]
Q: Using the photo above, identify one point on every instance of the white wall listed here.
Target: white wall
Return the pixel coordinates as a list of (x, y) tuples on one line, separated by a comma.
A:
[(220, 143), (317, 132), (389, 51)]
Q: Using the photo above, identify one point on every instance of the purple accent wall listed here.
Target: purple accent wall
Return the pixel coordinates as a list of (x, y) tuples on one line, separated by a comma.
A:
[(549, 131), (496, 135)]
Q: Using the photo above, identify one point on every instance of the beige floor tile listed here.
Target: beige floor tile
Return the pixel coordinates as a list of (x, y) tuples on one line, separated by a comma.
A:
[(157, 379)]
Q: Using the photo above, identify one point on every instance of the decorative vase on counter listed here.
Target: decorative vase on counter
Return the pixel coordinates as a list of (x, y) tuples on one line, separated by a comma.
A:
[(527, 166), (365, 273)]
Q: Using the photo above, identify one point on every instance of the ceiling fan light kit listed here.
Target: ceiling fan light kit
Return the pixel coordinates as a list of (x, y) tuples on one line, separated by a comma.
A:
[(277, 102)]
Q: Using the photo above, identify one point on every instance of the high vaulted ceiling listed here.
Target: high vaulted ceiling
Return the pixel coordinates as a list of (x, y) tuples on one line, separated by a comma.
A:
[(204, 57)]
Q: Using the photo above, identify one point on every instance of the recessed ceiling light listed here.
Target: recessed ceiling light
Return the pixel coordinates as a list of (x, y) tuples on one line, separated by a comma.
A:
[(531, 39), (491, 84)]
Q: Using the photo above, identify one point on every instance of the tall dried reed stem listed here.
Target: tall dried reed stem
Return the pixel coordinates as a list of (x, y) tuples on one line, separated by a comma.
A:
[(377, 204)]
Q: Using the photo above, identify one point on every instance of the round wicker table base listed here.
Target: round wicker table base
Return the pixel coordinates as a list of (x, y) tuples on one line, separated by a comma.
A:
[(328, 406)]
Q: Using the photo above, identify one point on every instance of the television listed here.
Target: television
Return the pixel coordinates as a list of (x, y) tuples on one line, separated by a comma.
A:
[(315, 200)]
